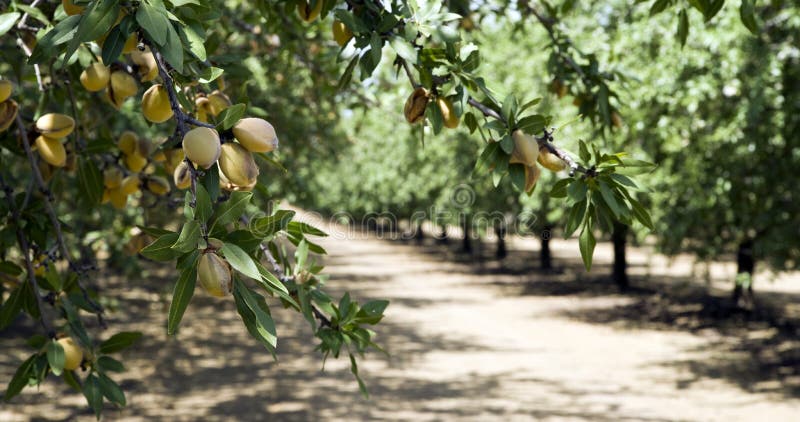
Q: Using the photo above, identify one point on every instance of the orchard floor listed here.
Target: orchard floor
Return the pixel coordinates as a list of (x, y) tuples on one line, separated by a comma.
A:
[(469, 340)]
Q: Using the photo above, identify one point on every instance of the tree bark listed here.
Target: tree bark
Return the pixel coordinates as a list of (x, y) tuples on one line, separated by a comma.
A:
[(545, 256), (500, 232), (466, 241), (442, 237), (620, 270), (419, 235), (745, 264)]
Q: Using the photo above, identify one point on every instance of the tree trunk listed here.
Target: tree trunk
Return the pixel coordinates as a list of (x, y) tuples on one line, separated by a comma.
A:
[(745, 264), (466, 242), (419, 235), (442, 237), (545, 256), (620, 271), (501, 252)]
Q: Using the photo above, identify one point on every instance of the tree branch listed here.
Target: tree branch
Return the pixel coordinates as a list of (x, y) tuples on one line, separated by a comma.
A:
[(276, 268), (51, 213), (25, 249)]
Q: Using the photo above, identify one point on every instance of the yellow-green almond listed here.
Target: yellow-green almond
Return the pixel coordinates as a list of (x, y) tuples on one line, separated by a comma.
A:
[(55, 125), (155, 104), (52, 151), (201, 146), (95, 77), (214, 274), (257, 135), (238, 165), (6, 88)]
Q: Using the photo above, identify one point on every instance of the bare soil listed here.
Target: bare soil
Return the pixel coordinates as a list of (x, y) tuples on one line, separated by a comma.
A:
[(470, 338)]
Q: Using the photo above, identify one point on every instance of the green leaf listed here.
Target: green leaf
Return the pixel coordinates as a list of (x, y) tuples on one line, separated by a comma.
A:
[(20, 378), (577, 190), (172, 50), (269, 225), (11, 307), (587, 243), (274, 286), (203, 208), (230, 116), (240, 260), (193, 37), (188, 238), (111, 390), (7, 21), (154, 23), (210, 74), (532, 124), (372, 312), (115, 41), (93, 394), (300, 255), (376, 45), (96, 20), (641, 214), (624, 180), (516, 172), (258, 322), (71, 380), (608, 197), (119, 341), (161, 248), (507, 144), (404, 49), (509, 109), (488, 156), (354, 370), (584, 152), (347, 76), (559, 189), (746, 13), (109, 364), (232, 209), (181, 296), (63, 32), (575, 217), (304, 228), (90, 181), (154, 231), (659, 6), (434, 115), (683, 27), (34, 13), (55, 357)]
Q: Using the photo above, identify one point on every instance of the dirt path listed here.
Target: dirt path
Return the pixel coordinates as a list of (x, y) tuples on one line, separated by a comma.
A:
[(467, 342)]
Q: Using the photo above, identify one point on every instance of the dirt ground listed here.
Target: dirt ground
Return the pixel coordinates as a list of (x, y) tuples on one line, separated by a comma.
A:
[(469, 338)]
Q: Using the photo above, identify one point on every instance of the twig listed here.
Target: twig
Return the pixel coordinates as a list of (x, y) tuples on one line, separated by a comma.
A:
[(544, 141), (36, 68), (548, 26), (21, 23), (25, 249), (181, 118), (276, 268)]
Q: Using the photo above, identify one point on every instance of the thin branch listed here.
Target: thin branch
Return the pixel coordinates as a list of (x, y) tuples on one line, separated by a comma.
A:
[(36, 68), (488, 112), (181, 118), (276, 268), (21, 23), (548, 26), (25, 249), (544, 141)]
